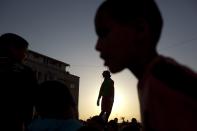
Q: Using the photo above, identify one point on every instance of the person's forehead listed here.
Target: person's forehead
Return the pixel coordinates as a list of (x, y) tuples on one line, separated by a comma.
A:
[(102, 17)]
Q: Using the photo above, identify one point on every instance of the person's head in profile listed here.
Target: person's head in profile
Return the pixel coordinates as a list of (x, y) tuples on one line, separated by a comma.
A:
[(13, 46), (128, 32), (106, 74)]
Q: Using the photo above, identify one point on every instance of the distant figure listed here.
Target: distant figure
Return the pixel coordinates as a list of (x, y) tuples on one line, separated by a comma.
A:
[(133, 126), (55, 108), (112, 125), (96, 123), (107, 94), (128, 33), (18, 83)]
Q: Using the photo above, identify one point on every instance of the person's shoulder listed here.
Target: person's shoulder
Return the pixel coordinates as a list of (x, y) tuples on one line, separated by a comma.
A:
[(29, 73), (112, 81), (27, 70), (169, 68), (176, 75)]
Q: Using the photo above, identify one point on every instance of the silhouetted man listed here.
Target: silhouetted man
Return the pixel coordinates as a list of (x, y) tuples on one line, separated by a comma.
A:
[(107, 94), (18, 83)]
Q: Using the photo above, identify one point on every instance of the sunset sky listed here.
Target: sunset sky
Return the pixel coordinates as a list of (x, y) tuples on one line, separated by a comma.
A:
[(64, 30)]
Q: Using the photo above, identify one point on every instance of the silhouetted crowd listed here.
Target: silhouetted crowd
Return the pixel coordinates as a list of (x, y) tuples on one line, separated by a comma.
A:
[(98, 124)]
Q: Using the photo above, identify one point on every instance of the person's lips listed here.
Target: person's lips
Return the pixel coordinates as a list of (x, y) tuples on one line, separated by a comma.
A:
[(105, 58)]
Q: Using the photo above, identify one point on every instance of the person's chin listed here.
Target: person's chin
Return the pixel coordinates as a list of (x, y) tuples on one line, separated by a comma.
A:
[(114, 68)]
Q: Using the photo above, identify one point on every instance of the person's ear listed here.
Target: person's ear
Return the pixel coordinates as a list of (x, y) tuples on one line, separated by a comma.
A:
[(143, 30)]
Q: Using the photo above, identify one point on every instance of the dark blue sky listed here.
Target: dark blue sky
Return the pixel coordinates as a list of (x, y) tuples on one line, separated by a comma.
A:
[(64, 30)]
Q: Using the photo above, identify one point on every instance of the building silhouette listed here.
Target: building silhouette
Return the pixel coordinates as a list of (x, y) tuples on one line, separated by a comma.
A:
[(47, 68)]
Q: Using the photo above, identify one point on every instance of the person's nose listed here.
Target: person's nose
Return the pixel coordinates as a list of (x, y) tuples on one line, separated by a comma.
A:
[(99, 45)]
